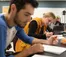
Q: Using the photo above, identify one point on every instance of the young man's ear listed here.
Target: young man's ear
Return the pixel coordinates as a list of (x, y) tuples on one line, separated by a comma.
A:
[(13, 9)]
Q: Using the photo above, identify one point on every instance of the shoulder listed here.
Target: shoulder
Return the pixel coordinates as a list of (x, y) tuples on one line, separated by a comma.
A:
[(38, 21), (18, 28), (2, 20)]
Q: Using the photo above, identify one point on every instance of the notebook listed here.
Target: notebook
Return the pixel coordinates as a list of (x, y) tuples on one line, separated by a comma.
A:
[(36, 55), (54, 49)]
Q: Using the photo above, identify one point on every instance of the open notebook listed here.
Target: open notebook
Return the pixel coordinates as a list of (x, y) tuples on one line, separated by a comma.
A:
[(54, 49), (36, 55)]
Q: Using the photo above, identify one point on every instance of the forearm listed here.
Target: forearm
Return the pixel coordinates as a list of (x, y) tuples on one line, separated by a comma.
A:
[(25, 53), (49, 41), (39, 41)]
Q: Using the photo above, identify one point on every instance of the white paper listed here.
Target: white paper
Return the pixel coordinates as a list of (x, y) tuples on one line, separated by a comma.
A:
[(54, 49), (60, 36), (36, 55)]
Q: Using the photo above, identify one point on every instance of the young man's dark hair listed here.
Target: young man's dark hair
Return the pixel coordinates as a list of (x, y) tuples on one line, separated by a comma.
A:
[(20, 4)]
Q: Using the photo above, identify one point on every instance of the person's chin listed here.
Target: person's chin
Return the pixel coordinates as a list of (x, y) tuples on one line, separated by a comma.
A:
[(23, 26)]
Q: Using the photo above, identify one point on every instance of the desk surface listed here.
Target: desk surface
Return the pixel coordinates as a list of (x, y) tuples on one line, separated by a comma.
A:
[(55, 55)]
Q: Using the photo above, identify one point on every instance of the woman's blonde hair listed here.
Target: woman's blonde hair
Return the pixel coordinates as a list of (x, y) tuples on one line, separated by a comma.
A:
[(49, 14)]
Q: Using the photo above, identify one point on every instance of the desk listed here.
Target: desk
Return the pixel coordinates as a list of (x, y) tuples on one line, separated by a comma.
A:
[(55, 55)]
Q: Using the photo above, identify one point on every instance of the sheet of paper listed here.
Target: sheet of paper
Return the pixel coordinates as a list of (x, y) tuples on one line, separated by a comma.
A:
[(60, 36), (36, 55), (54, 49)]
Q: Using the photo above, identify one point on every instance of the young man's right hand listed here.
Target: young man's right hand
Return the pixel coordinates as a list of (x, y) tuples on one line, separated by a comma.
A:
[(36, 48)]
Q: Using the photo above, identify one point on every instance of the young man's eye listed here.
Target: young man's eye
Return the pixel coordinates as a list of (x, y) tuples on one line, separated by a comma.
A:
[(26, 15)]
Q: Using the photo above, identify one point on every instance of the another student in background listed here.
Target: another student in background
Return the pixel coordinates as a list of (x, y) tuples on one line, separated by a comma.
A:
[(56, 22), (38, 26)]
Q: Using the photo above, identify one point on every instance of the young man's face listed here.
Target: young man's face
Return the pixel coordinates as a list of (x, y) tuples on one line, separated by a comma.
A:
[(24, 15)]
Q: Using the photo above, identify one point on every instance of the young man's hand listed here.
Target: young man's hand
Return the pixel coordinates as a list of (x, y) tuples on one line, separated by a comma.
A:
[(36, 48), (52, 40)]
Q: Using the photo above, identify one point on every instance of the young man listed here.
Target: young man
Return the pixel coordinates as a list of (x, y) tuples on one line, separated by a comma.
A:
[(10, 25)]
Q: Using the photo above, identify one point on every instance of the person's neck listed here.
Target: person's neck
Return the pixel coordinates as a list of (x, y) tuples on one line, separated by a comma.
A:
[(9, 20)]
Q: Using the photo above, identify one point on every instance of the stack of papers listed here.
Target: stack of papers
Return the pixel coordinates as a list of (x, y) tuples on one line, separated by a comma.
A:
[(54, 49), (36, 55)]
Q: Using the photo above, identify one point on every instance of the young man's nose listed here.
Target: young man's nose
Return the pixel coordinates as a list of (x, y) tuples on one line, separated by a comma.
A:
[(29, 19)]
